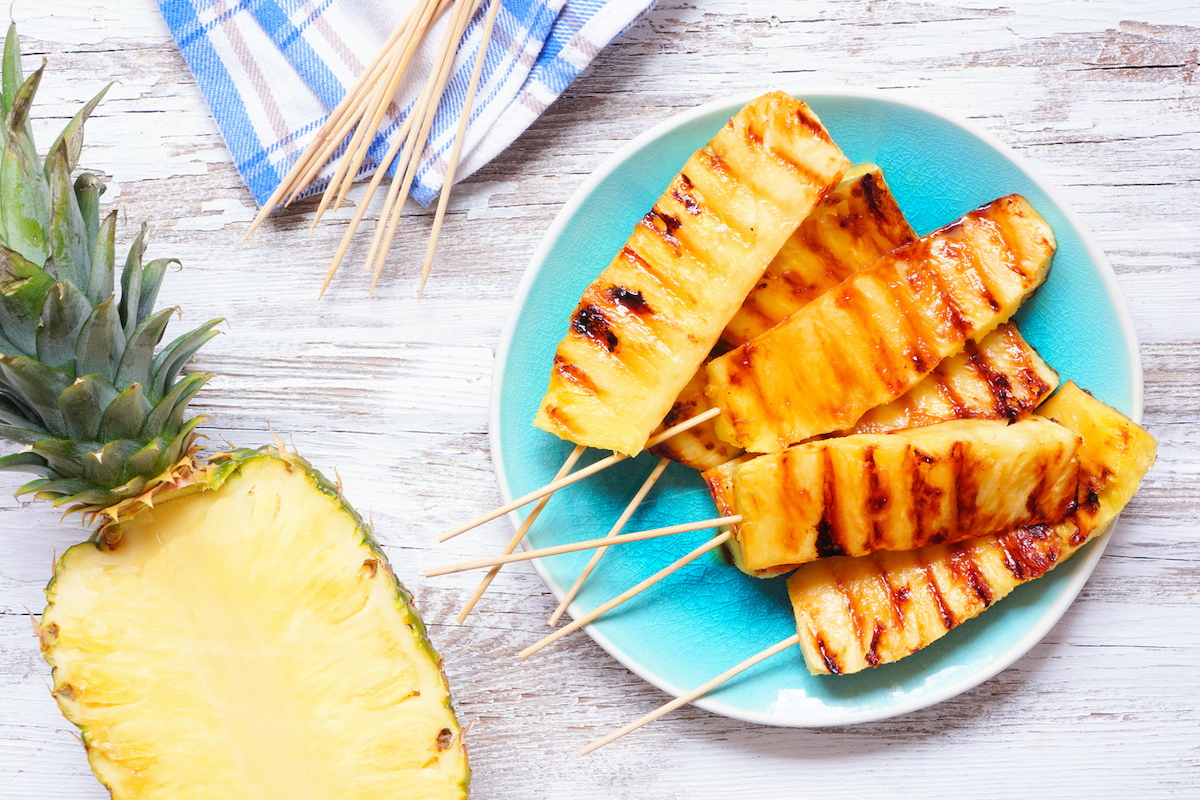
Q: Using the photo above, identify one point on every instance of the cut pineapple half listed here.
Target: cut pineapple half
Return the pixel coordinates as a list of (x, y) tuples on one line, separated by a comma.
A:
[(854, 613), (250, 641)]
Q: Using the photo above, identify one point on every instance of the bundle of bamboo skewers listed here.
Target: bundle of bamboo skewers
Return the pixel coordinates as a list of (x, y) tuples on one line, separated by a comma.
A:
[(347, 136)]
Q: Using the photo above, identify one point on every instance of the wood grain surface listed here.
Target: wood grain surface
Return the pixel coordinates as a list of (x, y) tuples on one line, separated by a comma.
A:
[(393, 394)]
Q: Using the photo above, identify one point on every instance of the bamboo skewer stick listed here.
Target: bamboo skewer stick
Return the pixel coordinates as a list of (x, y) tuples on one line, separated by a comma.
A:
[(518, 536), (717, 541), (485, 42), (382, 243), (325, 140), (699, 691), (555, 485), (655, 533), (616, 528)]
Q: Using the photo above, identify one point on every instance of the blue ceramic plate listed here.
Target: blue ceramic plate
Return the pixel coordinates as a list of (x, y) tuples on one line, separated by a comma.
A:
[(709, 616)]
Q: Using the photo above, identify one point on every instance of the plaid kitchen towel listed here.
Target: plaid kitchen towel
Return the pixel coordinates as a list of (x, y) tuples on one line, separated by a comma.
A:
[(271, 70)]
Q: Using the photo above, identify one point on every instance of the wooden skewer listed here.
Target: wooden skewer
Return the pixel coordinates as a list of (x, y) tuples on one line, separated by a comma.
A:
[(383, 245), (519, 535), (555, 485), (627, 538), (616, 528), (699, 691), (628, 593), (302, 172), (485, 42)]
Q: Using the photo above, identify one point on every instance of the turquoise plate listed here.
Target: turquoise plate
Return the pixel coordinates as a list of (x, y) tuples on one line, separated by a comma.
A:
[(708, 617)]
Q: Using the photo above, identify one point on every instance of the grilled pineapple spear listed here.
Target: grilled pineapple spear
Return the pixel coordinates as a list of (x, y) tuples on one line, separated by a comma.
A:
[(647, 322), (854, 225), (865, 492), (881, 331), (231, 630), (852, 613)]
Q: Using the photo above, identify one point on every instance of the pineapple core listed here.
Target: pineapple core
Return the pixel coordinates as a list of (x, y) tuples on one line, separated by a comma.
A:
[(240, 642)]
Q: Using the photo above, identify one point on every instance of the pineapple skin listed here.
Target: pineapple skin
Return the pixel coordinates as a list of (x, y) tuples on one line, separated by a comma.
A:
[(646, 323), (126, 753), (854, 225), (857, 494), (882, 330), (854, 613)]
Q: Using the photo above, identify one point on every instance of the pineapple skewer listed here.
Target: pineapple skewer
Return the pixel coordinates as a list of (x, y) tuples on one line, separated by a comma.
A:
[(647, 322), (590, 544), (632, 506), (832, 598), (1002, 378), (858, 221), (518, 536), (882, 330), (856, 494)]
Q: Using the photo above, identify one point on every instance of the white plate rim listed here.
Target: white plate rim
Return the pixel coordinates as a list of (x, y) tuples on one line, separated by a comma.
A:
[(1090, 557)]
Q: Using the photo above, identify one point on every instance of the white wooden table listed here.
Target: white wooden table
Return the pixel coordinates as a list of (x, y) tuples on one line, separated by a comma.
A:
[(1102, 96)]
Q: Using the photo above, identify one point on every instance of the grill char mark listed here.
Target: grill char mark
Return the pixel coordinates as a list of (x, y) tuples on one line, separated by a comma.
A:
[(592, 323)]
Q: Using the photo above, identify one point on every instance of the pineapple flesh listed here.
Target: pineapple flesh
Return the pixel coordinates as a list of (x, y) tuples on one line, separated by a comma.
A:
[(250, 641), (854, 225), (853, 613), (1001, 378), (865, 492), (882, 330), (647, 322), (230, 630)]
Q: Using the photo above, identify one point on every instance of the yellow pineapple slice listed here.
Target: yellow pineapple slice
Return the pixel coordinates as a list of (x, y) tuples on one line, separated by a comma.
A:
[(882, 330), (941, 483), (648, 321), (1002, 377), (854, 225), (852, 613)]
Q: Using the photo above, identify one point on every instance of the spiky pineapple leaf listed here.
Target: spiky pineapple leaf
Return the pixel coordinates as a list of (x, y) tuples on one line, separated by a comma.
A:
[(68, 233), (65, 457), (131, 281), (152, 276), (104, 258), (166, 419), (124, 416), (83, 404), (11, 70), (38, 386), (101, 342), (106, 466), (172, 358), (138, 359), (26, 461), (24, 214), (64, 313), (72, 135), (88, 189), (23, 289)]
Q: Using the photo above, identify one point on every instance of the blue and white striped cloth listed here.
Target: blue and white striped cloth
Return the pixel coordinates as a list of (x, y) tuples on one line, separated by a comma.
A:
[(272, 69)]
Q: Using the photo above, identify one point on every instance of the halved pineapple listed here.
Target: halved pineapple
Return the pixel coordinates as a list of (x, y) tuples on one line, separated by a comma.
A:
[(940, 483), (882, 330), (853, 226), (250, 641), (853, 613), (648, 321)]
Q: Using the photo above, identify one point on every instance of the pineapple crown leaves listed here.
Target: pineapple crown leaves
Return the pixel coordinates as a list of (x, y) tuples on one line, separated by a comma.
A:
[(83, 385)]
